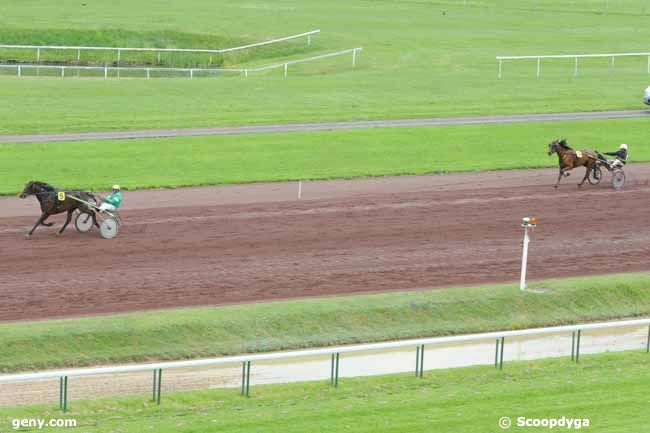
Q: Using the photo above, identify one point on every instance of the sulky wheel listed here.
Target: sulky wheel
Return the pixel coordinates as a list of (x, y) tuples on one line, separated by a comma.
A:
[(108, 228), (595, 175), (84, 222), (618, 179)]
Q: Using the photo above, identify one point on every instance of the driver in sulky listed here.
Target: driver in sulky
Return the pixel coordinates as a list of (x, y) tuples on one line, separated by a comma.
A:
[(113, 201), (621, 157)]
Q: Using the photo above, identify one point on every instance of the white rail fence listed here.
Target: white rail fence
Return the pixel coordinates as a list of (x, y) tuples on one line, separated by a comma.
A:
[(574, 57), (333, 352), (185, 72), (120, 50)]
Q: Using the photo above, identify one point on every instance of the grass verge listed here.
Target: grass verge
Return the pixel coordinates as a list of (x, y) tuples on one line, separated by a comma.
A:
[(200, 332), (188, 161), (610, 390)]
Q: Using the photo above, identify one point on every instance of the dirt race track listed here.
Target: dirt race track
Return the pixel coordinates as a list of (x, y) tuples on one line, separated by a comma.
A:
[(206, 246)]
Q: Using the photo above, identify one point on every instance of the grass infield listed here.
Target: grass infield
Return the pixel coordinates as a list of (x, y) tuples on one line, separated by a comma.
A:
[(420, 59)]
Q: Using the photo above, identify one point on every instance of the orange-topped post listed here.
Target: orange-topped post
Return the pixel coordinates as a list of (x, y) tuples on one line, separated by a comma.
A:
[(527, 223)]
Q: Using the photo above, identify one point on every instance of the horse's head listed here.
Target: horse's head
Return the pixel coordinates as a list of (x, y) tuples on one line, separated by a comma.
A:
[(555, 145), (35, 187)]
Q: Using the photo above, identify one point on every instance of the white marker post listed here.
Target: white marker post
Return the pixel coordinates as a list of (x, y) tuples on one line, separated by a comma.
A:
[(526, 224), (299, 190)]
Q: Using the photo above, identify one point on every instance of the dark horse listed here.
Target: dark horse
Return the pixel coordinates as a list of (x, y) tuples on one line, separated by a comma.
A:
[(570, 159), (51, 205)]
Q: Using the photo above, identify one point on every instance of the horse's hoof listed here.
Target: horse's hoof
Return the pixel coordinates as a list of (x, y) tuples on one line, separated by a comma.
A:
[(28, 236), (555, 186), (59, 233)]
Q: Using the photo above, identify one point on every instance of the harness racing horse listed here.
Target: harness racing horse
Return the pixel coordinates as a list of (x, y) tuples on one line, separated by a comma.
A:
[(47, 196), (570, 159)]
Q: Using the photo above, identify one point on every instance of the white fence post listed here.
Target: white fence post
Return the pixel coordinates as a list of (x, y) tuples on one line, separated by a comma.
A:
[(105, 72), (38, 55), (612, 65), (191, 73), (354, 58), (575, 69), (526, 224), (286, 66), (148, 74), (19, 73), (539, 66), (499, 75), (63, 71), (308, 39)]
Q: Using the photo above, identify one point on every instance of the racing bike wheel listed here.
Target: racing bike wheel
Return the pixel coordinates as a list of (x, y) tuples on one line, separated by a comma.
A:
[(84, 222)]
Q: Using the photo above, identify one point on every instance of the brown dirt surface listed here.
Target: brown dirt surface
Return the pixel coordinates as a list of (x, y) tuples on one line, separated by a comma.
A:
[(247, 243)]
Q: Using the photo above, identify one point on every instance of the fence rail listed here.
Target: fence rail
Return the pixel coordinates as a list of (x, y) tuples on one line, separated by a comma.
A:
[(191, 72), (119, 50), (575, 57), (334, 352)]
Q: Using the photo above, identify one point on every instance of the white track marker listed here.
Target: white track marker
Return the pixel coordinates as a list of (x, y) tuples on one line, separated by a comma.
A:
[(526, 224), (299, 189)]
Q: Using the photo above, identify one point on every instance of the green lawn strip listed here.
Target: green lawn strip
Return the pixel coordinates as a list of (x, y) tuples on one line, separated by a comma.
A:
[(608, 389), (210, 160), (420, 59), (264, 327)]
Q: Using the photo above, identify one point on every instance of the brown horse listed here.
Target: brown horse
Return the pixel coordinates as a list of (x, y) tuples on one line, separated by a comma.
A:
[(51, 205), (570, 159)]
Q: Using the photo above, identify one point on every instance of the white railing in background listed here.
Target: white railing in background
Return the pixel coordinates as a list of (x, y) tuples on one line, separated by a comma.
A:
[(575, 58), (285, 65), (335, 353), (119, 50), (191, 72)]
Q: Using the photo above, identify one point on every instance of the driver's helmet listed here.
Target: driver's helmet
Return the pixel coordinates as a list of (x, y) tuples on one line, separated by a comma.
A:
[(623, 146), (116, 187)]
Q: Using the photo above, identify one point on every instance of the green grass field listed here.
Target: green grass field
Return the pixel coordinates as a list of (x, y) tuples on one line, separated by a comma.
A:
[(420, 59), (174, 162), (229, 330), (608, 389)]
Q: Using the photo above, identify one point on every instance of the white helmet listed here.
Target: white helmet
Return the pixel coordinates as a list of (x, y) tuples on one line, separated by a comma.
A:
[(116, 187), (623, 146)]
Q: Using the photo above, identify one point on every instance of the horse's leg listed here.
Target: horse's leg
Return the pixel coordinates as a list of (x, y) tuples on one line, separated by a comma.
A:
[(95, 219), (38, 223), (587, 168), (559, 178), (46, 224), (67, 220)]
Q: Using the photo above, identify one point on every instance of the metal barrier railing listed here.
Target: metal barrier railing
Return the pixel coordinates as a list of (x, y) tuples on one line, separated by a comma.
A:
[(120, 50), (612, 58), (333, 352), (189, 72)]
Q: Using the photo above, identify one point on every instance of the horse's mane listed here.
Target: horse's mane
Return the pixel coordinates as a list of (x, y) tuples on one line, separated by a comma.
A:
[(564, 144), (43, 185)]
